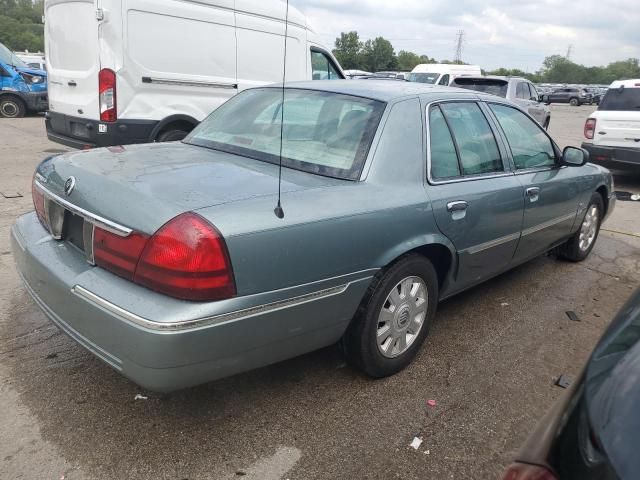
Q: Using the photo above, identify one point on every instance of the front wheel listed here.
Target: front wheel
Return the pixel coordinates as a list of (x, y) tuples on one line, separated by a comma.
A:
[(394, 318), (574, 102), (12, 107), (579, 246)]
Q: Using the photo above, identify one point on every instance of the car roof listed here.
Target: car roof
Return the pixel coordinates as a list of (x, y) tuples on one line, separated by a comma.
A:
[(634, 83), (382, 90)]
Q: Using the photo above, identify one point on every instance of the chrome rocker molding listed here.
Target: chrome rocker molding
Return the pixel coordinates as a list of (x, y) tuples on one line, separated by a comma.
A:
[(97, 220), (550, 223), (206, 321)]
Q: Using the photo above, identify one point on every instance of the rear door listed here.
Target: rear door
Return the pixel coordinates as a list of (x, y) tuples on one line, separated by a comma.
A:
[(618, 119), (528, 101), (551, 192), (476, 200), (72, 56)]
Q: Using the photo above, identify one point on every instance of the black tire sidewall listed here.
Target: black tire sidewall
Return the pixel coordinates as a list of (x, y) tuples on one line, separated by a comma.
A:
[(172, 136), (19, 105), (363, 337)]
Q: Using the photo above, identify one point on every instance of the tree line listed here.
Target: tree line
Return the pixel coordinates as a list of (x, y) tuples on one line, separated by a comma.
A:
[(21, 25), (379, 55)]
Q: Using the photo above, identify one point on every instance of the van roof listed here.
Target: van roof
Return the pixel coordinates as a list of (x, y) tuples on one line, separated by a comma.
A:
[(634, 83)]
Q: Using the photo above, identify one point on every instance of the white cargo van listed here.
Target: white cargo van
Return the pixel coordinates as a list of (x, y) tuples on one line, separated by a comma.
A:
[(441, 73), (135, 71)]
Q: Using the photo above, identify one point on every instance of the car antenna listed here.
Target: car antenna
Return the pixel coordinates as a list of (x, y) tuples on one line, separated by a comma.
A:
[(279, 211)]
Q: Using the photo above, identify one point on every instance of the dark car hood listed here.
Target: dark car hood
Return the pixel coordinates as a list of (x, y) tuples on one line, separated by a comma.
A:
[(143, 186), (612, 390)]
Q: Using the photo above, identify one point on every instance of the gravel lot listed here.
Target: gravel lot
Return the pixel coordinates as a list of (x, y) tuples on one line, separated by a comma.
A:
[(490, 364)]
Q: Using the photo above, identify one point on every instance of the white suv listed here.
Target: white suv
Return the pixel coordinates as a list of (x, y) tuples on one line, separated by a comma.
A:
[(614, 129)]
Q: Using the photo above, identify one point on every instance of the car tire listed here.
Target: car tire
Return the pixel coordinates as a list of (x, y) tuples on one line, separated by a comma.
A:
[(546, 123), (393, 302), (172, 135), (574, 102), (12, 107), (579, 246)]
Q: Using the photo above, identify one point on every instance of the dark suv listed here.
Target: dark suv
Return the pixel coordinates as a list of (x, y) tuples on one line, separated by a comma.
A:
[(573, 96)]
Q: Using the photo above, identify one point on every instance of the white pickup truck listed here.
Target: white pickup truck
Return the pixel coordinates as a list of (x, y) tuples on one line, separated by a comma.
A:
[(613, 131)]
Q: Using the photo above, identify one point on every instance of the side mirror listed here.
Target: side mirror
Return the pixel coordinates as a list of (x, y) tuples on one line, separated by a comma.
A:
[(574, 157)]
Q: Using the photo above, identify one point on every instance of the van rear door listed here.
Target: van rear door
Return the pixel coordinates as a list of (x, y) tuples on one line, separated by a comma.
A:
[(72, 57)]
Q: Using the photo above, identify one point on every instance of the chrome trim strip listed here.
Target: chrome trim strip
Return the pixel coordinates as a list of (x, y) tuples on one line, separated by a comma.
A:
[(91, 217), (490, 244), (189, 83), (180, 325), (550, 223)]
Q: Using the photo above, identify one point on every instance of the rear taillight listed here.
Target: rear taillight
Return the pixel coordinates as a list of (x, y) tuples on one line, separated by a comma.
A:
[(590, 128), (187, 258), (525, 471), (118, 254), (38, 203), (107, 92)]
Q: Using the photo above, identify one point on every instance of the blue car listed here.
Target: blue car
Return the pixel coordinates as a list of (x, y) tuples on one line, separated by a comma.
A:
[(22, 88)]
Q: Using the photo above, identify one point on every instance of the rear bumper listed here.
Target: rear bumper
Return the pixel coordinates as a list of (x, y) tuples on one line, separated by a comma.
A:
[(81, 133), (164, 344), (616, 158)]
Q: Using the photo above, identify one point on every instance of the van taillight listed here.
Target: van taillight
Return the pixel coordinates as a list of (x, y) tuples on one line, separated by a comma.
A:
[(590, 128), (186, 258), (107, 92)]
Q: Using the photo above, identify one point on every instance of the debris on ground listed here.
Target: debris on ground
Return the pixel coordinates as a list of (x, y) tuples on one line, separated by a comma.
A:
[(572, 316), (431, 403), (11, 194), (563, 381), (504, 304), (627, 196), (51, 355), (427, 452), (140, 397), (415, 443)]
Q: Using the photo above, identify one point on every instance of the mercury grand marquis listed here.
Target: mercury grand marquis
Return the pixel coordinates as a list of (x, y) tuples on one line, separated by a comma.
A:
[(167, 261)]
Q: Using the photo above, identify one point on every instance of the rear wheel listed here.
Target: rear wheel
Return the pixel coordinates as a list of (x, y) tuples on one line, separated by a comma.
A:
[(12, 107), (579, 246), (574, 102), (394, 317), (172, 135)]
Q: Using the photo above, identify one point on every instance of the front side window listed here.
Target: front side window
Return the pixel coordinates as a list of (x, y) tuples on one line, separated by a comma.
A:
[(522, 91), (444, 80), (322, 67), (534, 92), (530, 147), (477, 148), (324, 133)]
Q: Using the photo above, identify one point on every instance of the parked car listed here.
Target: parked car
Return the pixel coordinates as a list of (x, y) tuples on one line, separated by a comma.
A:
[(356, 73), (22, 88), (593, 432), (596, 94), (398, 75), (519, 90), (178, 272), (613, 130), (570, 95), (441, 73), (132, 75), (33, 60)]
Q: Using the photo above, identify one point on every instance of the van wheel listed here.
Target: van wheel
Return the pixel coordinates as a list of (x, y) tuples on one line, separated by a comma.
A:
[(172, 135), (579, 246), (12, 107), (574, 102), (394, 318)]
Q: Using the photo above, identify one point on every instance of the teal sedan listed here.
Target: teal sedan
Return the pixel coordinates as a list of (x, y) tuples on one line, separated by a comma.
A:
[(167, 260)]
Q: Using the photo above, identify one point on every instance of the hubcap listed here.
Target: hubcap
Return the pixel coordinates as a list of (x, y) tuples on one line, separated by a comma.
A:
[(589, 228), (9, 109), (402, 316)]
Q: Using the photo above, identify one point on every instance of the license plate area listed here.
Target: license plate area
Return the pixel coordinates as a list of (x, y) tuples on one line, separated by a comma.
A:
[(71, 228)]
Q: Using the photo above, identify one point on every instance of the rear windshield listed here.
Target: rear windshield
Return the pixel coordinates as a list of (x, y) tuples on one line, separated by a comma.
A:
[(621, 99), (324, 133), (485, 85), (422, 77)]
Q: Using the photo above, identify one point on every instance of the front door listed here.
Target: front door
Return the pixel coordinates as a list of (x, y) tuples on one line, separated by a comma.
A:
[(477, 202), (551, 191)]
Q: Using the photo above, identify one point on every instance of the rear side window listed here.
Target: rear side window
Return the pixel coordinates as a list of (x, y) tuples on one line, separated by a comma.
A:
[(522, 91), (477, 148), (444, 160), (530, 147), (617, 99), (322, 66), (444, 80)]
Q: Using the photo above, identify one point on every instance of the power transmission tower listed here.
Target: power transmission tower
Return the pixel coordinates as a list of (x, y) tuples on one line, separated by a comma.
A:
[(569, 52), (459, 46)]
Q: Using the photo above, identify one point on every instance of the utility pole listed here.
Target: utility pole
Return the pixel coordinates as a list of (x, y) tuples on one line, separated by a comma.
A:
[(459, 46), (569, 52)]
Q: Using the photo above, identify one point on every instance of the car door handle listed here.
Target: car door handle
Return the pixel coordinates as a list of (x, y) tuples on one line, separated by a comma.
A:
[(457, 206), (533, 194), (72, 83)]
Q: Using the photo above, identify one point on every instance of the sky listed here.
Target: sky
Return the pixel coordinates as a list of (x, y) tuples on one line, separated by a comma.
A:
[(497, 33)]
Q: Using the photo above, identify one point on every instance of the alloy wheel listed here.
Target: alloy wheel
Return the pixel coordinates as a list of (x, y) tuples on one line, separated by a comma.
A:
[(589, 228)]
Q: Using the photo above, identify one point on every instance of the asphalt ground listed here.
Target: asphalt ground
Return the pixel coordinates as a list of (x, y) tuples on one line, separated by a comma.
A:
[(490, 364)]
